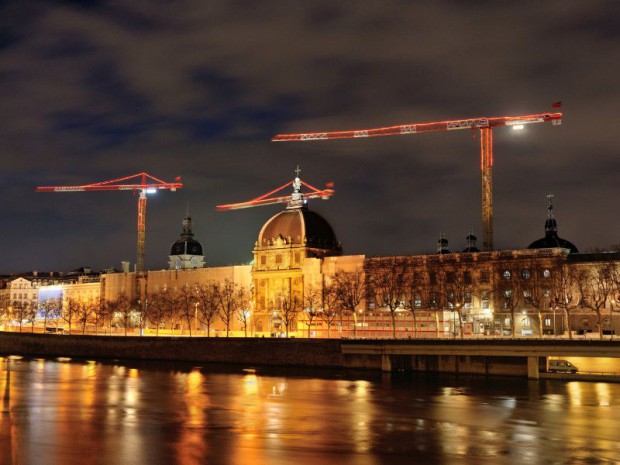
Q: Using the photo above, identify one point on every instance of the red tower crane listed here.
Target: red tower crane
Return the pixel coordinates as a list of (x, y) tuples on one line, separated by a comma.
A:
[(295, 199), (484, 124), (143, 183)]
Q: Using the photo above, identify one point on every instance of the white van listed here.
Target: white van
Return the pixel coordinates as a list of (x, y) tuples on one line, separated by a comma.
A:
[(562, 366)]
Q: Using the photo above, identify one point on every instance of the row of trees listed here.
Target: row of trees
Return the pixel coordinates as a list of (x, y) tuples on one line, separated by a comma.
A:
[(391, 284), (190, 306), (339, 296), (397, 285)]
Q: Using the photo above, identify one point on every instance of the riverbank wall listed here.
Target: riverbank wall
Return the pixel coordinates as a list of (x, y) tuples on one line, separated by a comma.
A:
[(307, 353), (246, 351), (519, 358)]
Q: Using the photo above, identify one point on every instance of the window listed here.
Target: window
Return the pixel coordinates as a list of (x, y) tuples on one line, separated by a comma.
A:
[(485, 276), (432, 278), (484, 300), (297, 257), (547, 321), (263, 260), (526, 274), (546, 273), (467, 277), (526, 322), (507, 322), (417, 301), (507, 274), (450, 277), (278, 259)]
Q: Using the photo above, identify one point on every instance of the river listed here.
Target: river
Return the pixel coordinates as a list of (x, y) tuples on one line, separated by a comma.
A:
[(65, 412)]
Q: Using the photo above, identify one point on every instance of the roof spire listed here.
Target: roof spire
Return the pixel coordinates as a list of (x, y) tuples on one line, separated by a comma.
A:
[(297, 198), (550, 206), (551, 226)]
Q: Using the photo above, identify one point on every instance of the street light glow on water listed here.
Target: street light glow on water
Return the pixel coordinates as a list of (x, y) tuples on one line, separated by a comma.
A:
[(147, 414)]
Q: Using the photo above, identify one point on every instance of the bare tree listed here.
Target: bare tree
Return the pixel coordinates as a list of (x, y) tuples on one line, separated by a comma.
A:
[(206, 295), (565, 292), (596, 286), (243, 308), (157, 308), (330, 305), (188, 305), (536, 291), (82, 315), (386, 281), (105, 314), (414, 287), (509, 292), (20, 310), (90, 311), (311, 304), (228, 300), (457, 294), (70, 311), (435, 296), (289, 305), (50, 308), (123, 308), (350, 289)]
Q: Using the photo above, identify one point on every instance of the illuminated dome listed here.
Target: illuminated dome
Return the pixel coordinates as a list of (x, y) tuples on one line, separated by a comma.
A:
[(298, 226), (551, 238)]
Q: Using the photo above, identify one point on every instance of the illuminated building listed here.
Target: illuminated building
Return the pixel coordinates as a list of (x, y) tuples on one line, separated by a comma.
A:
[(501, 293), (543, 289)]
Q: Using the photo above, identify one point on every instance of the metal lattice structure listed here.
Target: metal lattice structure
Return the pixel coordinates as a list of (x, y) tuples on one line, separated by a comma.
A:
[(143, 183), (484, 124)]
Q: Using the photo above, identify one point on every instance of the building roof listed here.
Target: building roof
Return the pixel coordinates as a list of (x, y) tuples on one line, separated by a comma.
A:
[(299, 226), (186, 245), (551, 238)]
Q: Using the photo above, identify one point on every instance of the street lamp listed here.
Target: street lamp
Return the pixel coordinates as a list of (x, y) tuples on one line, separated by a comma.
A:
[(196, 317)]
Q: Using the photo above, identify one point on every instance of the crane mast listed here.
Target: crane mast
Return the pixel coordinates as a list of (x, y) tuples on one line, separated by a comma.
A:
[(484, 124)]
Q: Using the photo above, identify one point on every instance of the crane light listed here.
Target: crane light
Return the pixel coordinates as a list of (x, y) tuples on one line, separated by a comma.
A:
[(517, 127), (151, 190)]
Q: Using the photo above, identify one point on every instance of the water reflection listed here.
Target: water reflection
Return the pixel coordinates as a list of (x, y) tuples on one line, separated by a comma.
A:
[(75, 412)]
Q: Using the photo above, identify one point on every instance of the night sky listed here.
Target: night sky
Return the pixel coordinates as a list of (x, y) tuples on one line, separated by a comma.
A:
[(95, 90)]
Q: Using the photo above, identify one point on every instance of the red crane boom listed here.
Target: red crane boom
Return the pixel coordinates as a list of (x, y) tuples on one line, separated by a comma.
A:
[(484, 124), (146, 184), (297, 198)]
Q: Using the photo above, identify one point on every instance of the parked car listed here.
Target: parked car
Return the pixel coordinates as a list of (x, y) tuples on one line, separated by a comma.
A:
[(562, 366), (54, 330)]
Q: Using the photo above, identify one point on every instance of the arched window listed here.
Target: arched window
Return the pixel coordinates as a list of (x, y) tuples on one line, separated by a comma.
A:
[(507, 274)]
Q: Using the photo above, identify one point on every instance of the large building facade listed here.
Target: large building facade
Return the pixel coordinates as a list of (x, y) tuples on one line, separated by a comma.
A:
[(546, 289), (300, 284)]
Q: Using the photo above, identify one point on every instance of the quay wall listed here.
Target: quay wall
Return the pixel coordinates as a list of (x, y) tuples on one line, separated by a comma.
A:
[(309, 353), (251, 351)]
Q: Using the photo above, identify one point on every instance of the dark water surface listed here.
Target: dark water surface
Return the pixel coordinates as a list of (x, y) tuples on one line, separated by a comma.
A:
[(86, 412)]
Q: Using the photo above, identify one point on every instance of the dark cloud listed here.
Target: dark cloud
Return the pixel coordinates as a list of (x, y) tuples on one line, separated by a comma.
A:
[(94, 90)]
